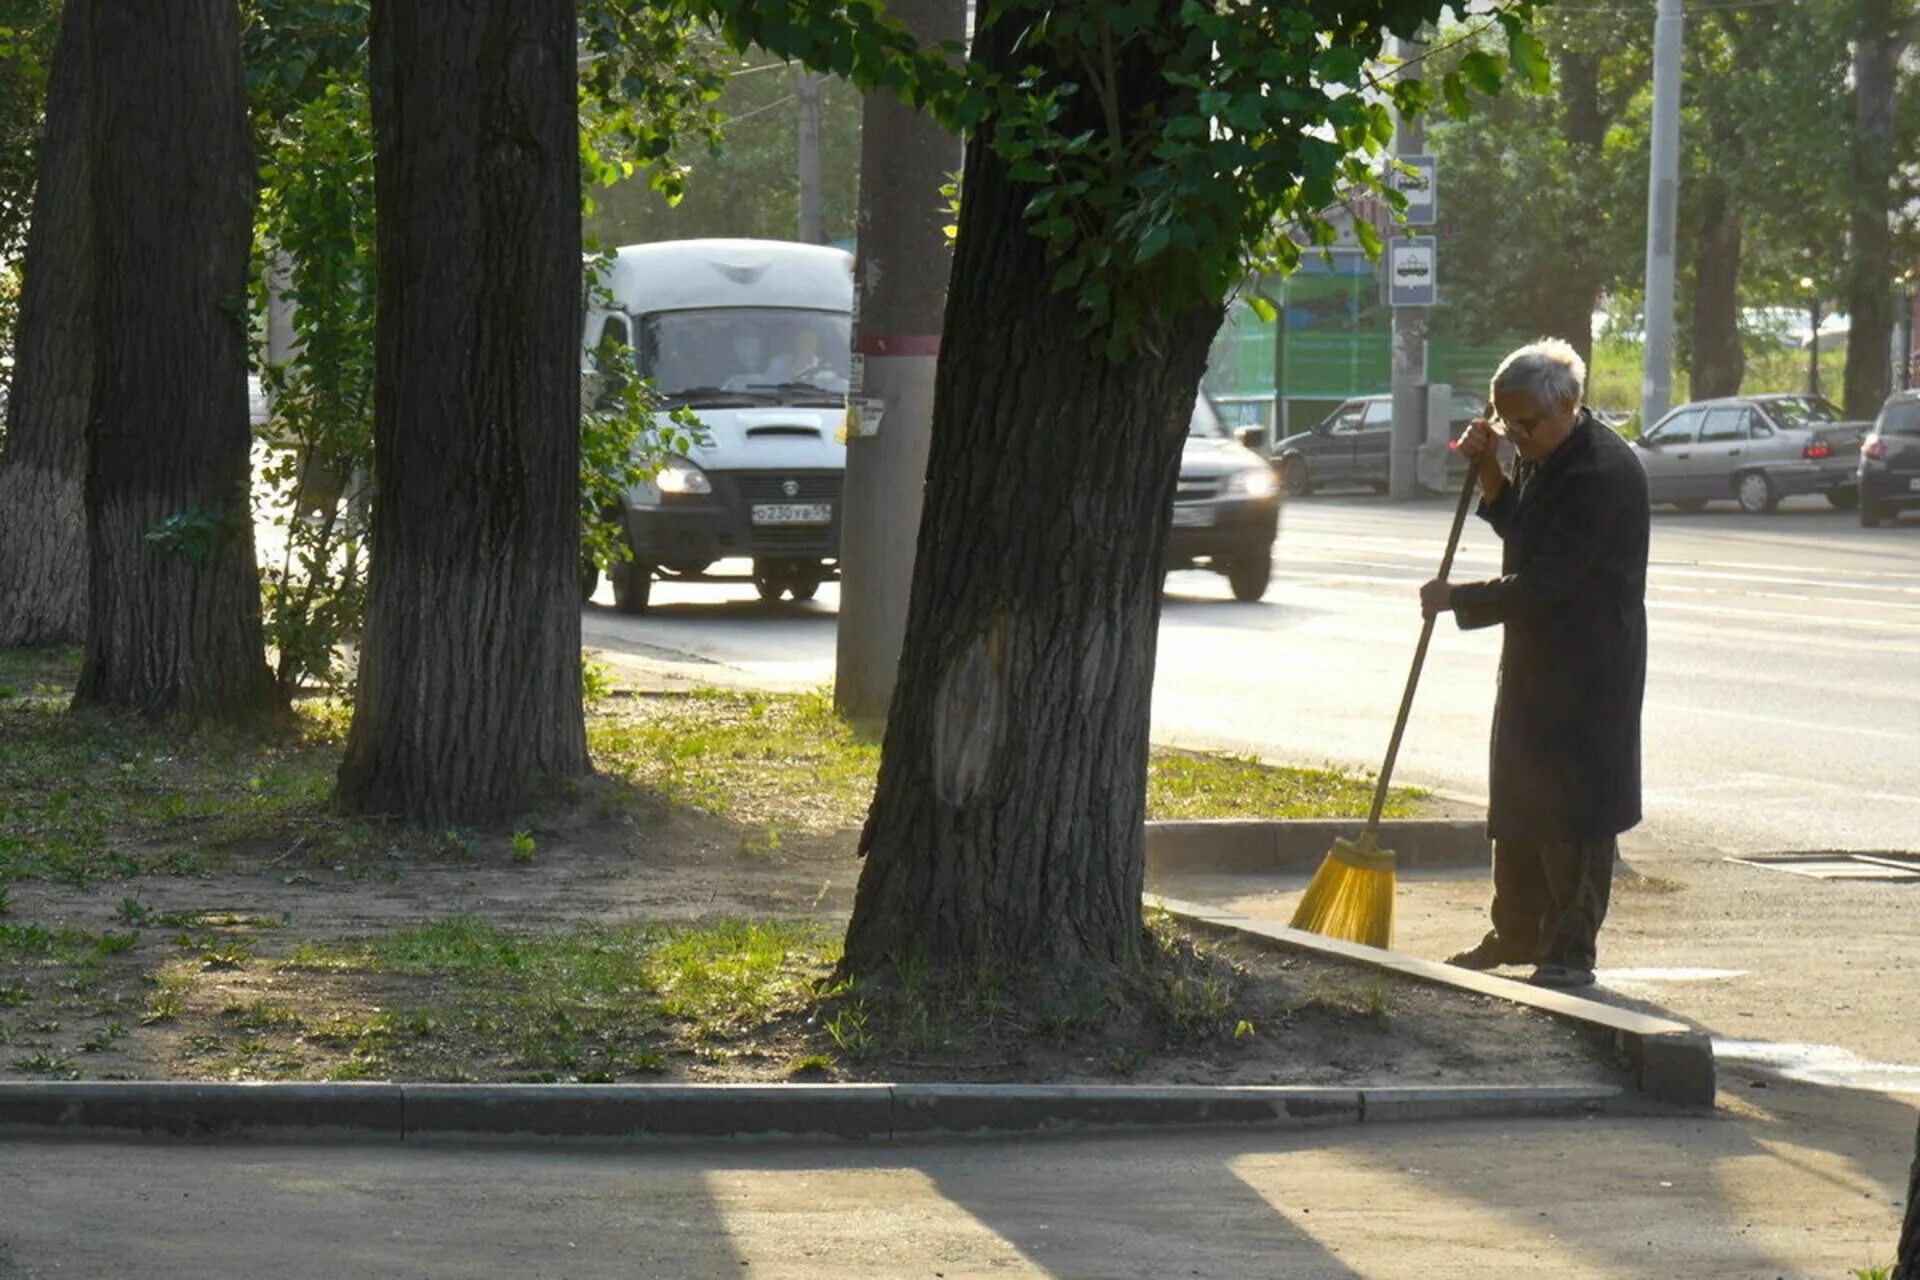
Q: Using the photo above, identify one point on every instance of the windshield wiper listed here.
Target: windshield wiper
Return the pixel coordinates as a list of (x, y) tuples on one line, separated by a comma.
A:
[(712, 397), (817, 393)]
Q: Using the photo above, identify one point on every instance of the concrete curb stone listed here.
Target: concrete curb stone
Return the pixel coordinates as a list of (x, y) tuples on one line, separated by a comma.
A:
[(1672, 1062), (631, 1113), (1254, 846)]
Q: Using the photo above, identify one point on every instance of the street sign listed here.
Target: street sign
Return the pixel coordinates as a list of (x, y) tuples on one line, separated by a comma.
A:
[(1419, 189), (1410, 272)]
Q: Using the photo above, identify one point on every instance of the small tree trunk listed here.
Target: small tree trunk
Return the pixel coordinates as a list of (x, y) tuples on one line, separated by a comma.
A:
[(1719, 362), (1907, 1264), (469, 697), (43, 469), (175, 604), (1008, 825), (1878, 44)]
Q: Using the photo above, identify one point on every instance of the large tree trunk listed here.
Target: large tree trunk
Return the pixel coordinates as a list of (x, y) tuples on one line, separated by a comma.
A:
[(469, 697), (1906, 1264), (175, 595), (43, 469), (1878, 44), (1719, 362), (1007, 831), (1584, 120)]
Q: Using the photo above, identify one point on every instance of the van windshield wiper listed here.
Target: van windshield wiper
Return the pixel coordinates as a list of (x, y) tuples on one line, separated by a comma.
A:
[(713, 397), (792, 393)]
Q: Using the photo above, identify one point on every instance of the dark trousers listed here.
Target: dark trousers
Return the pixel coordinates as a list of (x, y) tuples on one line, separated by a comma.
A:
[(1549, 899)]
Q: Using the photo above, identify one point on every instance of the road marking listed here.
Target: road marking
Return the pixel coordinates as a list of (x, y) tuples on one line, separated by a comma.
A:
[(1826, 1064), (1784, 722)]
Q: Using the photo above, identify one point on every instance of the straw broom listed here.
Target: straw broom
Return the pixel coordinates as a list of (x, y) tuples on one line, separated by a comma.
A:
[(1351, 896)]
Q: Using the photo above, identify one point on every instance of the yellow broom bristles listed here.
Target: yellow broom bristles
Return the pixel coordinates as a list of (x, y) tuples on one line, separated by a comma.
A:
[(1351, 896)]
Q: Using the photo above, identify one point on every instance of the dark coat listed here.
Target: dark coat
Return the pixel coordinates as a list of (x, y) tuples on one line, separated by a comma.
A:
[(1573, 668)]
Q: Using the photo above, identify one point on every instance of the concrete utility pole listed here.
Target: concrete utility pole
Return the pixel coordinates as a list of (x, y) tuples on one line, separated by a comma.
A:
[(807, 90), (900, 289), (1663, 199), (1409, 338)]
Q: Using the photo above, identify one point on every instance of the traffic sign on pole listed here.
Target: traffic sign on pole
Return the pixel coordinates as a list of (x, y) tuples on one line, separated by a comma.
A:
[(1419, 188), (1410, 271)]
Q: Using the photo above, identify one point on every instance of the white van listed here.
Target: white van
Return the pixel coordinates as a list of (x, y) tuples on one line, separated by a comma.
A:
[(754, 336)]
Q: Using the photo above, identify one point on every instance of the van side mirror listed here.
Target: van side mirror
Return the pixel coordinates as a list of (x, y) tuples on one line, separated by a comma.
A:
[(1251, 437)]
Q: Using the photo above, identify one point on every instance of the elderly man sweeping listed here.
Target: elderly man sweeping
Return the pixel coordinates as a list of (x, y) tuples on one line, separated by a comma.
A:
[(1565, 779)]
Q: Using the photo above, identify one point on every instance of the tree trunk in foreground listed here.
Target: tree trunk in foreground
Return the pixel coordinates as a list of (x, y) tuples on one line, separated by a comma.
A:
[(43, 468), (174, 625), (1007, 830), (469, 698), (1719, 362), (1879, 41)]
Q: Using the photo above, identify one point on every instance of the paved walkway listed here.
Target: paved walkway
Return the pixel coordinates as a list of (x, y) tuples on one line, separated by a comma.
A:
[(1789, 1180)]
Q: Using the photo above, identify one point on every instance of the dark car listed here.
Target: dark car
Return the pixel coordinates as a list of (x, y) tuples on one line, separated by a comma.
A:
[(1227, 508), (1755, 450), (1889, 473), (1350, 446)]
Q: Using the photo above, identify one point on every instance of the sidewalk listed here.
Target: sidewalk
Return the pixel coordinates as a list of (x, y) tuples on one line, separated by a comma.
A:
[(1806, 1187)]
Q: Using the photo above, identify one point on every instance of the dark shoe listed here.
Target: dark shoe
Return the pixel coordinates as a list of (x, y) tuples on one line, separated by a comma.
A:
[(1561, 977), (1489, 954)]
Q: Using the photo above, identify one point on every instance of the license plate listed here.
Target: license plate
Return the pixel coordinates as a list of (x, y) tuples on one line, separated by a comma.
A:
[(793, 513), (1192, 517)]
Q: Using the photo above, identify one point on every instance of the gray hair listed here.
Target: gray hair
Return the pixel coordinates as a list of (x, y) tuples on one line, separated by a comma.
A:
[(1549, 370)]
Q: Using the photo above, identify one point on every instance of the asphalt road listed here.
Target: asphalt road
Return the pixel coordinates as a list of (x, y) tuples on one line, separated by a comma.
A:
[(1782, 685)]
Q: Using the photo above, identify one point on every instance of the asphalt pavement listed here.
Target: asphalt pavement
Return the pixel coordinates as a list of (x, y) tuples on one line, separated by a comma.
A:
[(1782, 686)]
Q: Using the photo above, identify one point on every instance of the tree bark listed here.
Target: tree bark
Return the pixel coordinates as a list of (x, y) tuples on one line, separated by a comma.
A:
[(1907, 1262), (1007, 830), (469, 696), (43, 463), (1878, 43), (1584, 121), (175, 596), (1719, 362)]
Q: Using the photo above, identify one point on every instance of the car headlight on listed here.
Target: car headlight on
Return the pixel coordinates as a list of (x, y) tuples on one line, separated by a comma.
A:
[(1255, 482), (681, 477)]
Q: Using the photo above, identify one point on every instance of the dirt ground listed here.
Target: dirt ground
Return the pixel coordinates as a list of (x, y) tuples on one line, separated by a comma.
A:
[(210, 954)]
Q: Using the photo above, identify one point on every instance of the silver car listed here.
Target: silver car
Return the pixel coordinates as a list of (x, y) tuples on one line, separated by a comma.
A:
[(1753, 449)]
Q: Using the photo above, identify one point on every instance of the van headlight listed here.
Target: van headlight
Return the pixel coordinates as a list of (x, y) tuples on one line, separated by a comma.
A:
[(681, 477), (1255, 482)]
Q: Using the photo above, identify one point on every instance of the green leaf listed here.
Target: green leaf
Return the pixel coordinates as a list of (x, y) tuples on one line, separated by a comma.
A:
[(1530, 58), (1262, 307), (1454, 90), (1484, 71), (1154, 243)]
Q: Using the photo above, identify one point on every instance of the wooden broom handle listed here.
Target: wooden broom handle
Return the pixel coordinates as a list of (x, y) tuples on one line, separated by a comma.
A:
[(1420, 652)]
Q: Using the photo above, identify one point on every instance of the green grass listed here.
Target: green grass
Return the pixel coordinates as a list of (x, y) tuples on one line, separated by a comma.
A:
[(85, 797), (770, 760), (595, 1000), (1613, 378)]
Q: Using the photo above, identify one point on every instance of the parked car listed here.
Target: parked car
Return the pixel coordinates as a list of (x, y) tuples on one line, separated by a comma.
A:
[(1753, 449), (1226, 509), (1889, 473), (1351, 446)]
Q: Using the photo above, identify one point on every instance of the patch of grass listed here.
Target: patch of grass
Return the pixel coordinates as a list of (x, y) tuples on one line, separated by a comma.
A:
[(1371, 998), (772, 759), (594, 1000), (86, 797), (172, 983)]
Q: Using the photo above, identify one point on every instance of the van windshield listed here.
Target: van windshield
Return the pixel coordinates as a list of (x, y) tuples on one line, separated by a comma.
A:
[(760, 355)]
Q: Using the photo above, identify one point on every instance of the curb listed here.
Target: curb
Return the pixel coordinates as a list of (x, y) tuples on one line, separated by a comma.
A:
[(610, 1113), (1244, 845), (1672, 1062)]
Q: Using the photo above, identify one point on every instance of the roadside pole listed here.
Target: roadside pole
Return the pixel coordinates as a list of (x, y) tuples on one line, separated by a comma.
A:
[(1409, 331), (807, 90), (1663, 197), (900, 289)]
